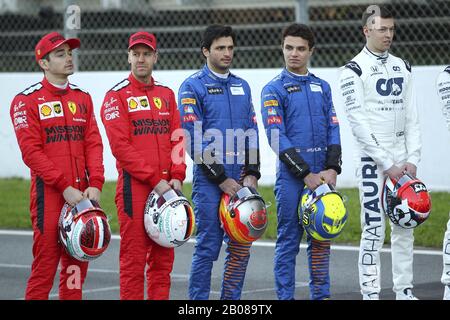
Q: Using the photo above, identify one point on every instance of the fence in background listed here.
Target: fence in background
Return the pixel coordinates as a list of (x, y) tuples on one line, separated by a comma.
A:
[(422, 34)]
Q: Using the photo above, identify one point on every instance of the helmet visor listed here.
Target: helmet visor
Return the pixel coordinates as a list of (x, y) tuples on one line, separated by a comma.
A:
[(322, 190), (319, 192), (244, 192), (166, 197), (404, 179), (85, 205), (171, 194)]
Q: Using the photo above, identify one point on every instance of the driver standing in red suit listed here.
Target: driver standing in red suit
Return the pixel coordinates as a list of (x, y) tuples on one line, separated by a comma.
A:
[(140, 117), (58, 136)]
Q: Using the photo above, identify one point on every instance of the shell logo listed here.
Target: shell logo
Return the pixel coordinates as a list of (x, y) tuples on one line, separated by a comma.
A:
[(133, 104), (46, 110)]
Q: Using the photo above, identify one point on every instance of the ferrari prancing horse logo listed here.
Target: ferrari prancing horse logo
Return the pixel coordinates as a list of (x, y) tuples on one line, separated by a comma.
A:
[(157, 102), (72, 107)]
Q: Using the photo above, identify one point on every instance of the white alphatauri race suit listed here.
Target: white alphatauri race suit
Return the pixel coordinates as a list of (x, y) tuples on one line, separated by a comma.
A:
[(443, 89), (378, 100)]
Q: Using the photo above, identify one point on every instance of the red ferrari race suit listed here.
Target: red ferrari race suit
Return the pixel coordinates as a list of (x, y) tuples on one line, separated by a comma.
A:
[(139, 120), (60, 142)]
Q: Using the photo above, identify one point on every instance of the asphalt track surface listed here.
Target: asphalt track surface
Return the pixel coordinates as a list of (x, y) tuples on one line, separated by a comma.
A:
[(102, 282)]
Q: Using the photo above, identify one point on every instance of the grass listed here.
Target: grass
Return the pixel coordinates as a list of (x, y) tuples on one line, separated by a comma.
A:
[(14, 212)]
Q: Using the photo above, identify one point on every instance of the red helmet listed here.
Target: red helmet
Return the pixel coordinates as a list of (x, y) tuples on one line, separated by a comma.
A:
[(243, 216), (84, 230), (406, 201)]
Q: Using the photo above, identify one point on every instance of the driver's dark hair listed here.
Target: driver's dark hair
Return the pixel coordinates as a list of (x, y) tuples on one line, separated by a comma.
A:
[(299, 30), (214, 32), (375, 11)]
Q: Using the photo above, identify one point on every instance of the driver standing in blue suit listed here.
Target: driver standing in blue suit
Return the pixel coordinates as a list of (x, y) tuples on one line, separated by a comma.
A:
[(217, 113), (303, 130)]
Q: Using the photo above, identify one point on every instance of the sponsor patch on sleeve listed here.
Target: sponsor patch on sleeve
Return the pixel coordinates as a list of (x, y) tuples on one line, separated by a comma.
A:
[(189, 118), (271, 103), (20, 116), (188, 101), (272, 112), (111, 109), (188, 109), (112, 114), (274, 120)]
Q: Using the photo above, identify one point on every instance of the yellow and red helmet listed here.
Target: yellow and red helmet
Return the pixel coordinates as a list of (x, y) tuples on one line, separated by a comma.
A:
[(243, 216)]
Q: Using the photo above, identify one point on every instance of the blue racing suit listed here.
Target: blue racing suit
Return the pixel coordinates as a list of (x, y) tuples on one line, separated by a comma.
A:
[(209, 106), (303, 130)]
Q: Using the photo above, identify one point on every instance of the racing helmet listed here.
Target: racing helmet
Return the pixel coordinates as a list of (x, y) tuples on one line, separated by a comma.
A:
[(322, 212), (243, 216), (84, 230), (169, 219), (406, 201)]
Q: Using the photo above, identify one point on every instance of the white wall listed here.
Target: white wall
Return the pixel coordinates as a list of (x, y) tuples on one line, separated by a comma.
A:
[(434, 168)]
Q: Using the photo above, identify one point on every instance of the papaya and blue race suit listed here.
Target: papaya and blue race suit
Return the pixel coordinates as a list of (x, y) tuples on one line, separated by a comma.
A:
[(303, 130), (209, 106)]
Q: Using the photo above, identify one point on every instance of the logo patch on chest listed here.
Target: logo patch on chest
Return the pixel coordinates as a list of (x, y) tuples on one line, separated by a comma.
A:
[(72, 107), (215, 90), (315, 87), (138, 104), (51, 109), (293, 88), (144, 102), (157, 102), (237, 91)]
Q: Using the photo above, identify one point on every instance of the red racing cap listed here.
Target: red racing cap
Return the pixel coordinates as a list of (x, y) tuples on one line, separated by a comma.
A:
[(142, 37), (51, 41)]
